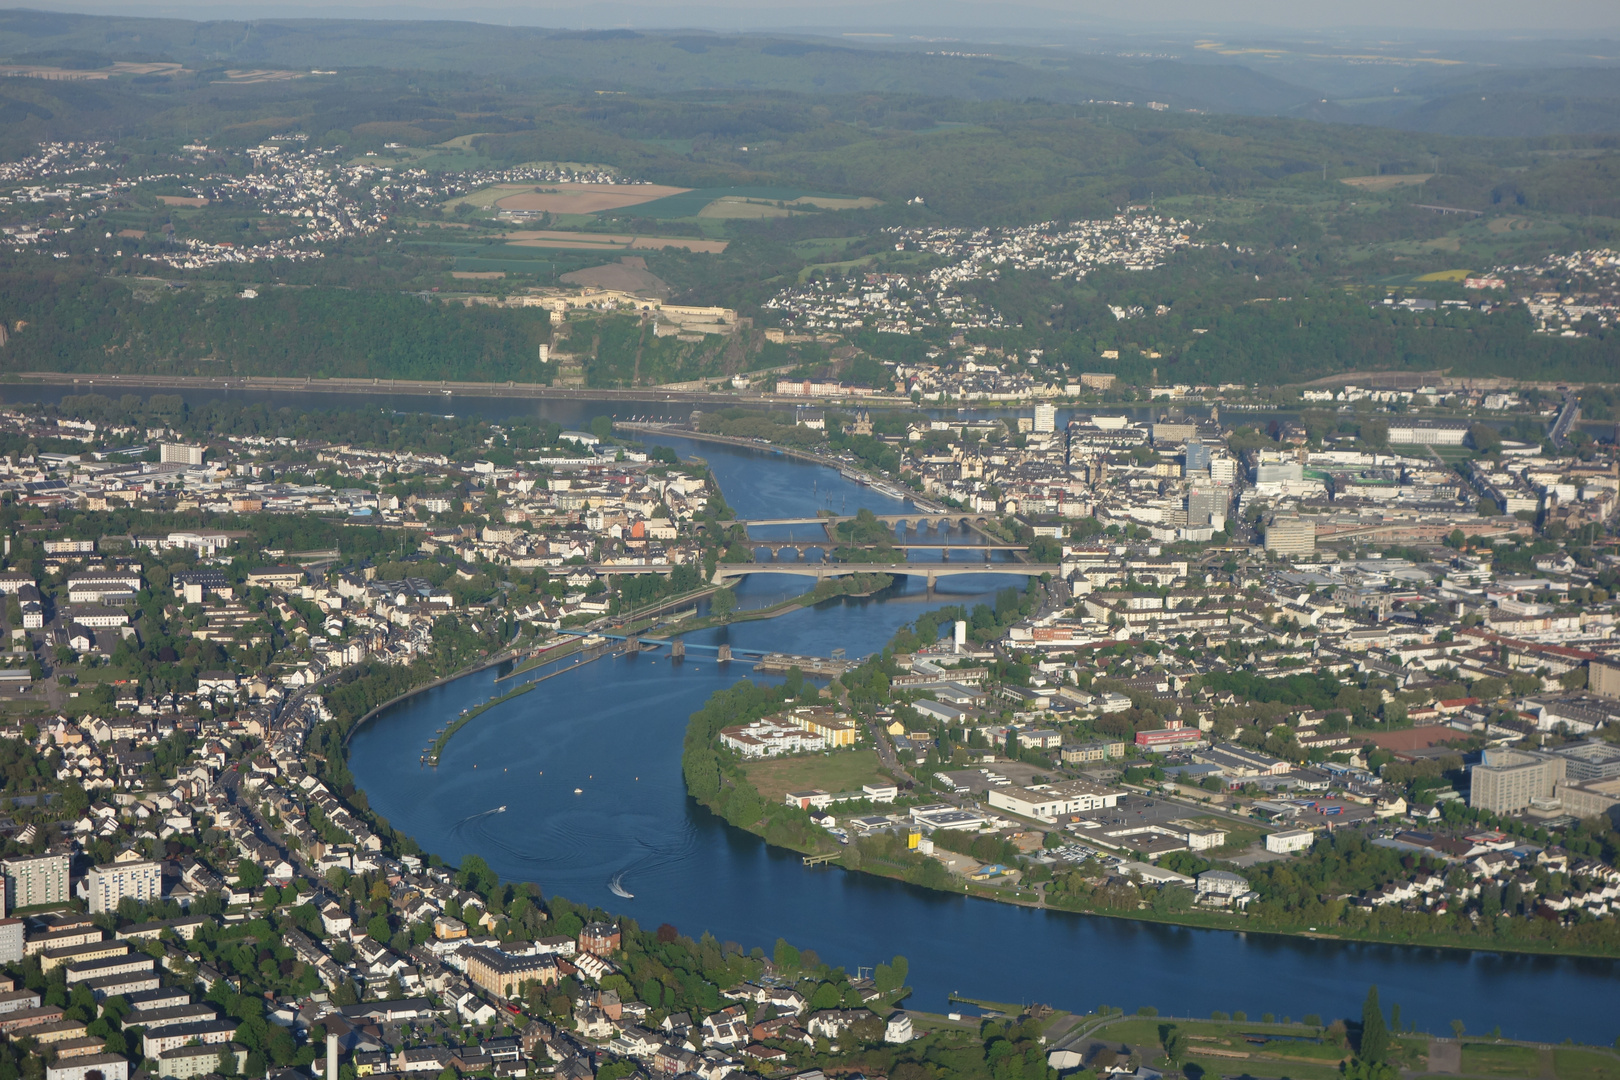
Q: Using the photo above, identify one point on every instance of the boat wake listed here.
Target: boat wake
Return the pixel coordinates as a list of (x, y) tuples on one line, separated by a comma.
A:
[(616, 887), (475, 817)]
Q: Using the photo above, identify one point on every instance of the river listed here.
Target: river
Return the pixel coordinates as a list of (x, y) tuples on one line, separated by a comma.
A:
[(613, 729)]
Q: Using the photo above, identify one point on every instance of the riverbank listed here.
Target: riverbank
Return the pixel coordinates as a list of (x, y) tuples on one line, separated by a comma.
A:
[(483, 663), (1144, 913), (432, 755), (717, 781), (860, 474), (416, 387)]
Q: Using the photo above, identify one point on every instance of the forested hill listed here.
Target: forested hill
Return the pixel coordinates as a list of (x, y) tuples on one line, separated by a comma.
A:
[(1450, 87), (74, 321)]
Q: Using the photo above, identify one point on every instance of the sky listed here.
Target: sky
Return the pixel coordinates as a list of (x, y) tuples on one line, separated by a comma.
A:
[(1538, 18)]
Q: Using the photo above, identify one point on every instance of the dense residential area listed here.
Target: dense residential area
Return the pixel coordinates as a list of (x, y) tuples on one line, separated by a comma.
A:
[(1115, 527), (1282, 682)]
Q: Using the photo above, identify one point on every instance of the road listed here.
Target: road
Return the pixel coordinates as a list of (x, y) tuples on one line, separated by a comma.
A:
[(1567, 416)]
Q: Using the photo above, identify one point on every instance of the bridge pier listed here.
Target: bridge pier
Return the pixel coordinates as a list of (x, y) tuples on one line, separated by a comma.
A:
[(725, 654), (677, 649), (632, 645)]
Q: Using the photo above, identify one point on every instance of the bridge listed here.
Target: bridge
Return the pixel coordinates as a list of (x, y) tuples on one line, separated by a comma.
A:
[(1567, 415), (821, 571), (920, 518), (776, 547), (764, 660)]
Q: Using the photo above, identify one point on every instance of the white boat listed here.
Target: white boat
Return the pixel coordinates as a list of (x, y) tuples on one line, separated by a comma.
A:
[(616, 887), (579, 791)]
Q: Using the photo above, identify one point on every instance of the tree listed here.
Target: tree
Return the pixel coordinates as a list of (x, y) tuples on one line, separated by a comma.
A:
[(249, 874), (377, 927), (1486, 439), (1174, 1042), (1357, 1069), (825, 997), (891, 976), (1374, 1045), (723, 603), (476, 876)]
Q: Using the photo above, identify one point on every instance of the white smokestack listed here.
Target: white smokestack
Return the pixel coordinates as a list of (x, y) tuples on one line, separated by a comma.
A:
[(331, 1055)]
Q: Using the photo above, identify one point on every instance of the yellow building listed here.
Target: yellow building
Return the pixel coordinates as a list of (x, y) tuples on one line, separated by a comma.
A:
[(838, 729)]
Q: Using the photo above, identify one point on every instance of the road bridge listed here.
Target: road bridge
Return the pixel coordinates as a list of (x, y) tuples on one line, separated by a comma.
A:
[(920, 519), (932, 571), (763, 660), (776, 547), (610, 569), (1567, 416)]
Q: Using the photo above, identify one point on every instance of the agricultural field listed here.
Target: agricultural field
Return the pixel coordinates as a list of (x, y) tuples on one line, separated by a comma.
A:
[(845, 770), (740, 208), (576, 198), (749, 203), (1387, 183), (555, 238)]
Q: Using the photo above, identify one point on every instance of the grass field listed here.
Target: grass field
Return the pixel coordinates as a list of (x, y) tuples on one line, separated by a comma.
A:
[(1220, 1048), (1386, 183), (692, 203), (735, 206), (1585, 1065), (560, 198), (845, 770), (552, 238), (1266, 1066), (1483, 1059), (1238, 837)]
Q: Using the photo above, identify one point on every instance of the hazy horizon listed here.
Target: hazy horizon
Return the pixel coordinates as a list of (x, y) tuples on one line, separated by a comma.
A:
[(1496, 19)]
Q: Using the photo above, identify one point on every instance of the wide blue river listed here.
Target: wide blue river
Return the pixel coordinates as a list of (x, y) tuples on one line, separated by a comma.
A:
[(613, 729)]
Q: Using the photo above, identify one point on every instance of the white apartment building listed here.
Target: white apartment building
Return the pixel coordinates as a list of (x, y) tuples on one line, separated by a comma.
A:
[(134, 877)]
